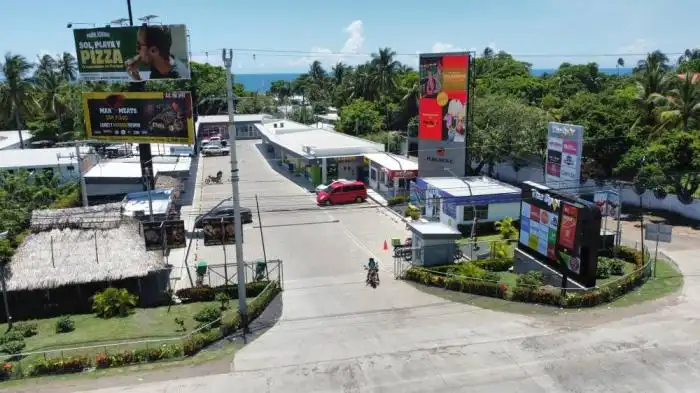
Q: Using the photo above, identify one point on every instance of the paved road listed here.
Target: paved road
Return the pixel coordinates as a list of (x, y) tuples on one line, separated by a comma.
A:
[(336, 334)]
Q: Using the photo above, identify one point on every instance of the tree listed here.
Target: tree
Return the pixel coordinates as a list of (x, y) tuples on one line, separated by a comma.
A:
[(360, 117), (681, 103), (16, 100), (620, 63)]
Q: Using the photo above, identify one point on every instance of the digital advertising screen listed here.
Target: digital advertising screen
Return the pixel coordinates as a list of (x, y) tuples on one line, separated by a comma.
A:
[(561, 231)]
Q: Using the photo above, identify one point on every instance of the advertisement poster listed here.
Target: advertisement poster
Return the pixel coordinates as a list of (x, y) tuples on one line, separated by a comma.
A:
[(435, 157), (443, 96), (567, 230), (174, 232), (608, 202), (132, 53), (564, 152), (218, 231), (143, 117)]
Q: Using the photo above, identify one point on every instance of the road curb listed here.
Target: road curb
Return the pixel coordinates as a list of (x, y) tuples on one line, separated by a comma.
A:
[(391, 213)]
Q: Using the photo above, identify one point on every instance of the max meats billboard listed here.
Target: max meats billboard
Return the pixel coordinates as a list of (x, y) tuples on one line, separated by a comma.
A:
[(132, 53), (444, 96), (139, 117)]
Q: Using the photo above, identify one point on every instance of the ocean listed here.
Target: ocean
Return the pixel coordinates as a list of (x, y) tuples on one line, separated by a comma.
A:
[(262, 82)]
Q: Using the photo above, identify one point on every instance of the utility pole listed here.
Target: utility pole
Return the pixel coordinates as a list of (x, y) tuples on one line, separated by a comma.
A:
[(83, 187), (145, 155), (240, 267)]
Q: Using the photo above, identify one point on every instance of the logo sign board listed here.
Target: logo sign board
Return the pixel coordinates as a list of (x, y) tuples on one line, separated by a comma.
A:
[(132, 53), (139, 117), (608, 202), (658, 232), (444, 81), (564, 151), (164, 234), (219, 230), (440, 158)]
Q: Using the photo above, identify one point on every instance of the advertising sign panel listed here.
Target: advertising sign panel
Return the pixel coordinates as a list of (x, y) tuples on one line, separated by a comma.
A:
[(174, 232), (608, 202), (444, 94), (142, 117), (132, 53), (564, 151), (218, 231), (434, 157), (561, 231)]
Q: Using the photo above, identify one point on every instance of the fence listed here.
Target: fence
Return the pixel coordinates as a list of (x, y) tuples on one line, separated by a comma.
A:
[(77, 359), (221, 274)]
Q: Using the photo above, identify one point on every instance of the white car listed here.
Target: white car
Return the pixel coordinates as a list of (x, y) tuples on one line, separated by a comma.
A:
[(323, 187), (214, 150)]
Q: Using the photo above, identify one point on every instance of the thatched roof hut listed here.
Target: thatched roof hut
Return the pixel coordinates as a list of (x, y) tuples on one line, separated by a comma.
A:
[(80, 245)]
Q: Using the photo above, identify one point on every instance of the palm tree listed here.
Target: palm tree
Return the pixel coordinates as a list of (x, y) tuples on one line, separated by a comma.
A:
[(384, 70), (67, 66), (45, 66), (620, 63), (681, 104), (340, 71), (488, 52), (15, 92), (654, 60)]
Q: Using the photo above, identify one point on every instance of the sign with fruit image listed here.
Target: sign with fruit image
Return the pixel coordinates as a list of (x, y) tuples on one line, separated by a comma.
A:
[(567, 229)]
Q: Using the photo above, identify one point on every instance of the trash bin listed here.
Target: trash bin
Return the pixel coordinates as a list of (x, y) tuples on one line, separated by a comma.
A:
[(260, 270), (201, 268), (395, 242)]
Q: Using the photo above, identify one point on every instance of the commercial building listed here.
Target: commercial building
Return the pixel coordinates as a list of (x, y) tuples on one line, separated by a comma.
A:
[(60, 161), (10, 139), (453, 201), (317, 153), (218, 125), (389, 174), (112, 180)]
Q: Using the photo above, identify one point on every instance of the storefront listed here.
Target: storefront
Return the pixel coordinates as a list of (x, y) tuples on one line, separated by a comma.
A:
[(390, 175)]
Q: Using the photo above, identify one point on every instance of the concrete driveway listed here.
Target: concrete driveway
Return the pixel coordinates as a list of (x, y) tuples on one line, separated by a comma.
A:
[(336, 334)]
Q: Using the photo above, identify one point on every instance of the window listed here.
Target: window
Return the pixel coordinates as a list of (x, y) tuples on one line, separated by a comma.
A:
[(382, 177), (373, 174), (70, 168), (482, 212)]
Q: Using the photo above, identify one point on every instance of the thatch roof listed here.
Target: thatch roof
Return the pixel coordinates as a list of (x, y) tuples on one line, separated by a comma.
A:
[(106, 216), (67, 253)]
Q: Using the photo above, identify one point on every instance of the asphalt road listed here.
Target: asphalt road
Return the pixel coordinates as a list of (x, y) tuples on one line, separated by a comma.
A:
[(336, 334)]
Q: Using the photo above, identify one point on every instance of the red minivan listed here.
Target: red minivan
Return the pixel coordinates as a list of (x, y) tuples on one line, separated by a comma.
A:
[(342, 192)]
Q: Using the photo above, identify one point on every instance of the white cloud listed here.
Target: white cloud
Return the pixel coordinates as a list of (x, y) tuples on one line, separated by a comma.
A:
[(349, 53), (638, 46)]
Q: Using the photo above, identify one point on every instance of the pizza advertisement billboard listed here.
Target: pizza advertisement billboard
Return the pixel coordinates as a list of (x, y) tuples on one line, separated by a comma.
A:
[(561, 231), (444, 96), (139, 117), (564, 152)]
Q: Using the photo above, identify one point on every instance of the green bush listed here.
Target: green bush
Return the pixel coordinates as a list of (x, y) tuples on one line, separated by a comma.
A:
[(223, 299), (59, 365), (65, 325), (208, 294), (113, 302), (494, 265), (468, 270), (14, 347), (532, 279), (627, 254), (542, 295), (26, 328), (209, 316), (396, 200), (12, 335), (603, 269), (198, 341), (617, 267), (491, 276)]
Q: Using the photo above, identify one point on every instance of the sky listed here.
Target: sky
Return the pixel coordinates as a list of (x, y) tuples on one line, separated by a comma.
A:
[(277, 36)]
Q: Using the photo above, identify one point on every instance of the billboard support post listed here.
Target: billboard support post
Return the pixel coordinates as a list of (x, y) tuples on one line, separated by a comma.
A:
[(83, 186), (227, 57)]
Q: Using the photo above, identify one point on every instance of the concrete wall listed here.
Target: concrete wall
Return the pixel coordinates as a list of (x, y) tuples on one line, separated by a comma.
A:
[(497, 212), (505, 172)]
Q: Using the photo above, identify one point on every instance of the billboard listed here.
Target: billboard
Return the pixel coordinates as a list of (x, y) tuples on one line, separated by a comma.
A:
[(561, 231), (219, 230), (608, 202), (164, 234), (139, 117), (132, 53), (564, 152), (444, 79), (436, 157)]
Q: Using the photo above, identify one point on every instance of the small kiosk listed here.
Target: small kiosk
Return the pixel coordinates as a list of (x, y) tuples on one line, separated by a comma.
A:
[(433, 243)]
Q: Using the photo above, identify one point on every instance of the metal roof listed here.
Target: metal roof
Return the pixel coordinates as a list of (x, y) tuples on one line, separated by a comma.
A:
[(11, 138), (479, 186), (215, 119), (39, 158), (393, 162)]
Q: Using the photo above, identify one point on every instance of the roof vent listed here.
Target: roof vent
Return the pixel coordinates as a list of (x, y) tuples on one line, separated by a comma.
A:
[(275, 125), (281, 125)]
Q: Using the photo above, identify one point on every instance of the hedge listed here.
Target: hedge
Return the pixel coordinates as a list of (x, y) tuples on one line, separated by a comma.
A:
[(207, 293), (188, 347), (542, 295)]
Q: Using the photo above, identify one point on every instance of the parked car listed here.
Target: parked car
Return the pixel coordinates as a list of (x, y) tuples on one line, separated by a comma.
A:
[(343, 192), (214, 150), (323, 187), (224, 211)]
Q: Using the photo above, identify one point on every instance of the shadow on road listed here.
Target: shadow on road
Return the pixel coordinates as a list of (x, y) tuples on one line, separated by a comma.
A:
[(283, 170)]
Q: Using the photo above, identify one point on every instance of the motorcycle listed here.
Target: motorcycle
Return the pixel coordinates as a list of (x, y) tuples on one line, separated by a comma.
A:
[(213, 179), (373, 278)]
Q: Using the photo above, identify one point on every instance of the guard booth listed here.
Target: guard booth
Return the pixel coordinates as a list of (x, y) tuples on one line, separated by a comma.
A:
[(433, 243)]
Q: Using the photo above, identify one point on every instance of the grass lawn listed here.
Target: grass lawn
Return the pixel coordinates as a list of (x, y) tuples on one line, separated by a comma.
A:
[(668, 280), (144, 323)]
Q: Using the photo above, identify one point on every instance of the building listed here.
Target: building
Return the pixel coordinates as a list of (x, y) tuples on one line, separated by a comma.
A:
[(10, 139), (453, 201), (72, 253), (159, 201), (389, 174), (112, 180), (218, 125), (317, 153), (60, 161), (329, 120)]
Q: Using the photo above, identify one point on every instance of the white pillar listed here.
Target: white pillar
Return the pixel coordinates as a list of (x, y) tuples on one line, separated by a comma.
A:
[(324, 171)]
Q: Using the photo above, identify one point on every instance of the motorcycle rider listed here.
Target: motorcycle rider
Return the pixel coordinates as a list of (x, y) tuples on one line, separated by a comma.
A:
[(219, 174), (372, 267)]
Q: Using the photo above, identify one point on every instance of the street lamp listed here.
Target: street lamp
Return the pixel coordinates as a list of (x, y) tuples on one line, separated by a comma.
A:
[(71, 24), (119, 22), (471, 194)]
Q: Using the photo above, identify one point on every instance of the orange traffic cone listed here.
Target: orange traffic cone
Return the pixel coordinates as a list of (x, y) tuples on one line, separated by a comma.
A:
[(386, 246)]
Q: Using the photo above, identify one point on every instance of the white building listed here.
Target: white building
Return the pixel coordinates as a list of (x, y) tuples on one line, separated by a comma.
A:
[(218, 125), (10, 139), (453, 200), (61, 161), (317, 153), (390, 174)]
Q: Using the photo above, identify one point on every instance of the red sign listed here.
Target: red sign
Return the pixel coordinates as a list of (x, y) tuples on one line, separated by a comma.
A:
[(403, 174), (567, 228), (444, 94), (570, 147)]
